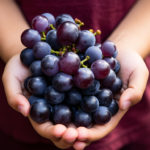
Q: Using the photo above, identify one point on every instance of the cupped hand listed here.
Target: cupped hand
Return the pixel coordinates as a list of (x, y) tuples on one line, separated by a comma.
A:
[(134, 75), (13, 77)]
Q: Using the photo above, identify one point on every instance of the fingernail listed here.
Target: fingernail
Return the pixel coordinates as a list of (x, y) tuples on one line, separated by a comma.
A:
[(22, 110), (126, 105)]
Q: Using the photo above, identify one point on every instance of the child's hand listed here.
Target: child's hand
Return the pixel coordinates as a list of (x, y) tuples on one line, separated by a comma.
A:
[(134, 74), (13, 78)]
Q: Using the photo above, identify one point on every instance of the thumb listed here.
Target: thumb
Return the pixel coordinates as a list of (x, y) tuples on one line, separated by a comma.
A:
[(136, 86)]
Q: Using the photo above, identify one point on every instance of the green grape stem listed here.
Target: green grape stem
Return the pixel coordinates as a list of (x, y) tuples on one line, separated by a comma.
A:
[(83, 61), (51, 25)]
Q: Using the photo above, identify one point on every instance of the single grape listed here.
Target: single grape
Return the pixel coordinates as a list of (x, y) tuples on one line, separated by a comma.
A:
[(54, 97), (40, 112), (62, 82), (29, 37), (100, 69), (32, 99), (116, 86), (67, 33), (109, 80), (105, 97), (50, 18), (93, 89), (62, 114), (83, 78), (69, 63), (82, 119), (113, 107), (102, 115), (51, 39), (117, 66), (85, 40), (63, 18), (35, 68), (94, 53), (27, 56), (37, 86), (50, 65), (40, 23), (111, 61), (74, 97), (108, 49), (41, 49), (90, 104), (115, 54)]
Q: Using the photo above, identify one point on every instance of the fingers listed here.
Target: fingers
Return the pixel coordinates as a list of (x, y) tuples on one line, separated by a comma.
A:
[(99, 131), (80, 145), (12, 86), (61, 136), (14, 94), (136, 86)]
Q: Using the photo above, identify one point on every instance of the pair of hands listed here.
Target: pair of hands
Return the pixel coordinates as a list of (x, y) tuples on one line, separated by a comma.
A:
[(134, 74)]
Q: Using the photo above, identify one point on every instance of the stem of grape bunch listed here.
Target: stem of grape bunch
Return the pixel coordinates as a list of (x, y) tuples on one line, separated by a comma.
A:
[(83, 61)]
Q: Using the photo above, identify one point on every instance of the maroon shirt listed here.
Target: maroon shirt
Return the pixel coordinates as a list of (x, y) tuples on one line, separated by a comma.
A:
[(96, 14)]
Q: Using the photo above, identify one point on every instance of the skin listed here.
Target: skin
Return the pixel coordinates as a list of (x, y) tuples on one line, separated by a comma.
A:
[(132, 39)]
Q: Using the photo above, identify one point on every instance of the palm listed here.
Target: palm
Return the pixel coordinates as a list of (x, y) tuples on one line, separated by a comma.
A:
[(134, 76), (13, 78)]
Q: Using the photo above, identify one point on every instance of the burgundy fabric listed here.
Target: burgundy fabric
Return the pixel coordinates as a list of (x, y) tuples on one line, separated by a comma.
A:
[(106, 15)]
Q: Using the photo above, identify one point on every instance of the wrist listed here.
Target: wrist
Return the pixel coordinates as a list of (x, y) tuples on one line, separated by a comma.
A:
[(10, 50)]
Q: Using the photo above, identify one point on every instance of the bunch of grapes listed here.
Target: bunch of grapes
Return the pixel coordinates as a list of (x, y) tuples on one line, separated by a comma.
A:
[(73, 78)]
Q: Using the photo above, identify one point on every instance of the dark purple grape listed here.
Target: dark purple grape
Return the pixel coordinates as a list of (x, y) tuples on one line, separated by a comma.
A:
[(37, 86), (50, 65), (102, 115), (27, 56), (90, 104), (69, 63), (105, 97), (40, 23), (117, 66), (51, 38), (62, 114), (29, 37), (74, 97), (62, 82), (83, 78), (100, 69), (26, 83), (41, 49), (85, 40), (67, 33), (108, 49), (54, 97), (40, 112), (82, 119), (116, 86), (94, 53), (63, 18), (93, 89), (115, 54), (35, 68), (111, 61), (113, 107), (32, 99), (50, 18), (109, 80)]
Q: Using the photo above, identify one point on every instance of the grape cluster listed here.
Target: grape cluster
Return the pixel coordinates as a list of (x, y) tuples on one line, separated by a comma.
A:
[(73, 78)]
